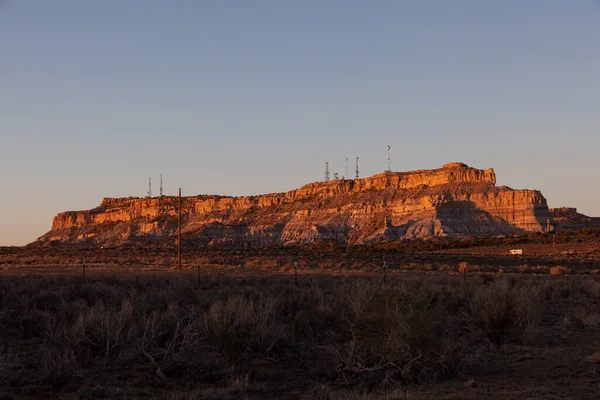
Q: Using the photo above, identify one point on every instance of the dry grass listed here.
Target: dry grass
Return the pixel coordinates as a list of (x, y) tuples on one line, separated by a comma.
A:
[(241, 336), (558, 270), (508, 312)]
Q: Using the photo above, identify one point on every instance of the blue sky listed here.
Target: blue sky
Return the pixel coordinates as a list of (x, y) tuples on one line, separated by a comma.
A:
[(245, 97)]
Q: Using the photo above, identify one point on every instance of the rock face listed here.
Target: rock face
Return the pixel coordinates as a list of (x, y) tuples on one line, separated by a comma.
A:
[(454, 200), (569, 218)]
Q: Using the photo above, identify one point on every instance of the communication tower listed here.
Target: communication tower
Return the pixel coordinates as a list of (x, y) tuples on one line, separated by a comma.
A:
[(326, 171), (161, 186), (346, 176), (389, 159), (149, 187), (357, 175)]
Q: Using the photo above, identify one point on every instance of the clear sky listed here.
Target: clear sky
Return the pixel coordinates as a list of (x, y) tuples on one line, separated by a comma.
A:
[(245, 97)]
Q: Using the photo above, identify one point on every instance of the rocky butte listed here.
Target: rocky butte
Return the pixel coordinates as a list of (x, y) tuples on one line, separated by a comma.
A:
[(455, 200)]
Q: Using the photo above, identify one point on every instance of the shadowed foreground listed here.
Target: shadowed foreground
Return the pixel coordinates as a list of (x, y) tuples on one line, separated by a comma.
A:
[(410, 337)]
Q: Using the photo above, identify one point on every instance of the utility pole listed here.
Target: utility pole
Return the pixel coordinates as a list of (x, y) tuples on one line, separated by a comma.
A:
[(149, 187), (179, 233), (326, 171), (357, 175)]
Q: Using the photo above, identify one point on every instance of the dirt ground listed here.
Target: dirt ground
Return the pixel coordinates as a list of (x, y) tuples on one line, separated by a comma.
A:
[(552, 366)]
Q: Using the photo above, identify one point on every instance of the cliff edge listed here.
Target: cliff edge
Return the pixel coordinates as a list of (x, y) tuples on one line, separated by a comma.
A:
[(455, 200)]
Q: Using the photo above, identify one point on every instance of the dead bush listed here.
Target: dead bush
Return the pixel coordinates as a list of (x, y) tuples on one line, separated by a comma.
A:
[(506, 313), (10, 364), (394, 334), (558, 270), (240, 324), (356, 331)]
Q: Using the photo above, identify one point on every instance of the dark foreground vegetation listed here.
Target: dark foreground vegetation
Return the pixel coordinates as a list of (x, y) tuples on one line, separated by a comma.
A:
[(401, 337)]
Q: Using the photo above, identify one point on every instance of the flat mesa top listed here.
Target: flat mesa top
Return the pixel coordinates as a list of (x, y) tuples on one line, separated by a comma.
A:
[(455, 165)]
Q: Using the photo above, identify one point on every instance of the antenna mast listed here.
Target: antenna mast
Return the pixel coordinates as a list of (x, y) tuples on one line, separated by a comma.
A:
[(150, 187), (161, 186), (357, 175), (326, 171), (389, 159), (346, 176)]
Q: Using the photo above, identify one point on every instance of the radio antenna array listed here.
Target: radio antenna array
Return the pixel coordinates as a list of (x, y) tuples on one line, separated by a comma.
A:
[(346, 176), (161, 186), (389, 158)]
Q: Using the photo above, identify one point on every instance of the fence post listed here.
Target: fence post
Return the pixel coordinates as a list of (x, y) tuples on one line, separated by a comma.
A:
[(464, 268), (296, 273), (83, 271)]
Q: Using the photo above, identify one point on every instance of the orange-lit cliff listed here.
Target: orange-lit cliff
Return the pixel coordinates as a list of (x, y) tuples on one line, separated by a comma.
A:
[(453, 200)]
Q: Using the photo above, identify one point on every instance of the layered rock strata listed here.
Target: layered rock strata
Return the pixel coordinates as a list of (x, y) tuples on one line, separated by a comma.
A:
[(455, 200), (569, 218)]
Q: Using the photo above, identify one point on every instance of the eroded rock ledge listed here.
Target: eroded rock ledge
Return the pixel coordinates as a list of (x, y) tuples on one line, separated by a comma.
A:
[(450, 201)]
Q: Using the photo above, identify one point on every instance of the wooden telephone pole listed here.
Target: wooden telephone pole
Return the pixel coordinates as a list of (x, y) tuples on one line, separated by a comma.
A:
[(179, 232)]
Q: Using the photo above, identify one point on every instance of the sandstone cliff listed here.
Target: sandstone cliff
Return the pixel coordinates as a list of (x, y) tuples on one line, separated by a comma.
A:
[(451, 201), (569, 218)]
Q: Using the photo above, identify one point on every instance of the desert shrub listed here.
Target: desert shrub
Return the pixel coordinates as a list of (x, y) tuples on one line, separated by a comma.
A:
[(59, 365), (525, 269), (420, 267), (351, 331), (590, 288), (10, 365), (446, 268), (103, 329), (542, 269), (507, 313), (558, 270), (253, 262), (30, 322), (394, 333), (590, 320), (204, 261), (239, 324), (428, 267), (528, 269), (487, 278)]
